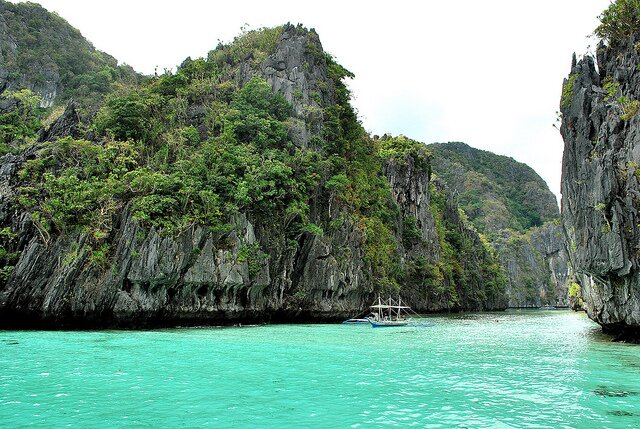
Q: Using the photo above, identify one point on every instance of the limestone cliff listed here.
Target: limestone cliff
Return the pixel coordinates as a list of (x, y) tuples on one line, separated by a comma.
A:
[(369, 222), (600, 182), (536, 264), (448, 266)]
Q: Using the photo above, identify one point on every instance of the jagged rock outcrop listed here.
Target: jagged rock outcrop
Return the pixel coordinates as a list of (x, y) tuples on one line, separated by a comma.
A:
[(306, 90), (409, 183), (600, 183), (67, 125)]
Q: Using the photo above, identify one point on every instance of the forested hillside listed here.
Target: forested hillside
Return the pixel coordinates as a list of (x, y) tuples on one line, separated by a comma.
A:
[(514, 209), (41, 52), (496, 192)]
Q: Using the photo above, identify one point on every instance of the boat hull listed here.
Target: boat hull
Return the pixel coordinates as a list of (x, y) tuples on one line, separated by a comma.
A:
[(388, 323), (356, 322)]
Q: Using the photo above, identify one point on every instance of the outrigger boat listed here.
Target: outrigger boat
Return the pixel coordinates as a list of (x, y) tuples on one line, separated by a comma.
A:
[(389, 313)]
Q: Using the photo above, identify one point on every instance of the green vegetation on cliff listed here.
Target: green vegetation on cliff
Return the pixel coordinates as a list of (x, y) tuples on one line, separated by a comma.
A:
[(495, 191), (40, 51), (460, 247), (174, 175), (619, 21), (20, 117), (150, 157), (231, 137)]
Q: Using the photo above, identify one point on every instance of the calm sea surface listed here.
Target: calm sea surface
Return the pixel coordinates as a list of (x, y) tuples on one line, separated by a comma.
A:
[(519, 369)]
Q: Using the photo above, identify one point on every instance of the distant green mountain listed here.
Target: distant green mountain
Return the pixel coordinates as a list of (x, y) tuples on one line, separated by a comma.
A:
[(510, 204), (40, 51), (497, 192)]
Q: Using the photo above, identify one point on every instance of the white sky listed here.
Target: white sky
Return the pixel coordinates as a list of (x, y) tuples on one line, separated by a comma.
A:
[(488, 73)]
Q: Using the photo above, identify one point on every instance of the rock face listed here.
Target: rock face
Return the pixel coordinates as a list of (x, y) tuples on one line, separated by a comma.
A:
[(68, 124), (306, 90), (513, 207), (549, 242), (600, 183), (536, 264), (193, 278), (409, 185)]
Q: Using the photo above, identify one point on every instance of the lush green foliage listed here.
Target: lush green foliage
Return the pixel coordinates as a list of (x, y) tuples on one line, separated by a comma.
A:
[(614, 94), (495, 191), (55, 46), (619, 21), (400, 148), (8, 254), (253, 45), (135, 115), (173, 179), (575, 294), (629, 109), (611, 87), (411, 234), (21, 119)]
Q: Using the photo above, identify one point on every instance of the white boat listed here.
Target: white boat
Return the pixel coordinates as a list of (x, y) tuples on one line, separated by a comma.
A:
[(356, 322), (389, 313)]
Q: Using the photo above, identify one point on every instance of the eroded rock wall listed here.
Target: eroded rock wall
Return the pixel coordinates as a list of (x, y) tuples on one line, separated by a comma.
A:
[(600, 183), (537, 266)]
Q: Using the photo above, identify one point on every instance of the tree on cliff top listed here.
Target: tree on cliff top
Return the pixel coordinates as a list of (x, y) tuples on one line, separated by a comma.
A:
[(621, 19)]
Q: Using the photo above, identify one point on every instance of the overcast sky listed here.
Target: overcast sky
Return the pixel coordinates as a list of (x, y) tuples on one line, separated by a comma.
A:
[(488, 73)]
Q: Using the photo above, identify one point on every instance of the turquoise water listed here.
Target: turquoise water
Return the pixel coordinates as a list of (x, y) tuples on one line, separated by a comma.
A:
[(528, 369)]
